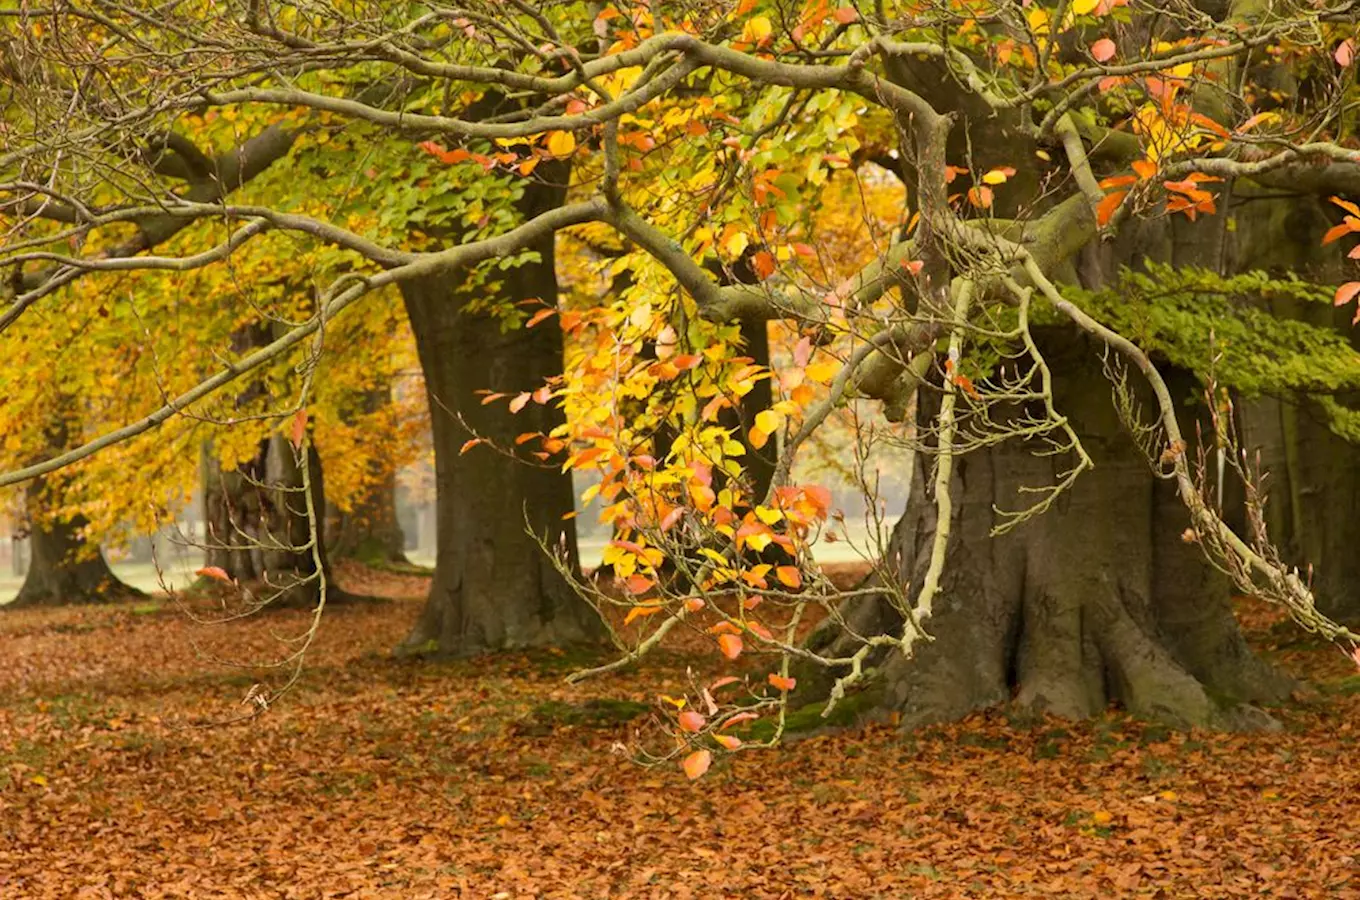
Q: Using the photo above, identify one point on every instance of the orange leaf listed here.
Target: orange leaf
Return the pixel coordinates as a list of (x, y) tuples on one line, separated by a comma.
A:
[(539, 317), (723, 682), (691, 721), (520, 401), (638, 612), (728, 741), (468, 445), (789, 576), (638, 584), (779, 682), (214, 572), (526, 437), (1145, 168), (730, 645), (846, 14), (1103, 50), (1347, 205), (1105, 211), (697, 763), (1339, 231), (739, 718), (1346, 293), (694, 604), (763, 264), (299, 430)]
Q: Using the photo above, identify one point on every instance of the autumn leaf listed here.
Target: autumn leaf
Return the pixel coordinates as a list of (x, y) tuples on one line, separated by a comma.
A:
[(540, 316), (1345, 53), (781, 683), (691, 721), (728, 741), (1346, 293), (298, 431), (469, 444), (1103, 50), (561, 143), (697, 763), (789, 576), (217, 573), (1105, 211), (730, 645)]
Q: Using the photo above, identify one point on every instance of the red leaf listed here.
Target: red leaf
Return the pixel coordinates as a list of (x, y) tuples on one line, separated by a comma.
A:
[(1103, 50), (697, 763)]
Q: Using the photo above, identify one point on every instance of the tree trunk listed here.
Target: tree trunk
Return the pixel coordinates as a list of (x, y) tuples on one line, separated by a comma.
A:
[(370, 532), (62, 568), (1314, 492), (494, 588), (1097, 600), (258, 529)]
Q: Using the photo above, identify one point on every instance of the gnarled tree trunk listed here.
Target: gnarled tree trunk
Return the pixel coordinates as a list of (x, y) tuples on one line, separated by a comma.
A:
[(63, 568), (1099, 599), (494, 588)]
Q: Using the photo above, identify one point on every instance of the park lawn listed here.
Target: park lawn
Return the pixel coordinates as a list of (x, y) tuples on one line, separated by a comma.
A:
[(492, 778)]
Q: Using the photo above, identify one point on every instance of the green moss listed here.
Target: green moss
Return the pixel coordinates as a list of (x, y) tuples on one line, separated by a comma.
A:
[(850, 712), (599, 713)]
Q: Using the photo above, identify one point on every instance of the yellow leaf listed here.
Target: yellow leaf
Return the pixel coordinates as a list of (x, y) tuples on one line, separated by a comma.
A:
[(503, 820), (736, 244), (769, 420), (561, 143), (1083, 7), (823, 370), (995, 176), (39, 780), (757, 30), (767, 515), (1102, 817)]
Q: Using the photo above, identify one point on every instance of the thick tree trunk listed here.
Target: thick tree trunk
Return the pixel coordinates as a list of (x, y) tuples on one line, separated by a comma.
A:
[(258, 529), (1097, 600), (62, 568), (494, 588)]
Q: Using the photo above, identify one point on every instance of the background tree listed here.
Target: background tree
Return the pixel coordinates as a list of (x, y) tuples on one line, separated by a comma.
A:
[(1042, 151)]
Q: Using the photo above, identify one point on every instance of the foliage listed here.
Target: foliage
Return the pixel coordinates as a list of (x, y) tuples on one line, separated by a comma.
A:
[(902, 188)]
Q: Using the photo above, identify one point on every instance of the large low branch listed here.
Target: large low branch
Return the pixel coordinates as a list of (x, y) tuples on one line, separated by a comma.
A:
[(343, 293)]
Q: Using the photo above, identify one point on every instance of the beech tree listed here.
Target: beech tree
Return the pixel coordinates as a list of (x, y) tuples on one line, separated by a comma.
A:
[(1098, 200)]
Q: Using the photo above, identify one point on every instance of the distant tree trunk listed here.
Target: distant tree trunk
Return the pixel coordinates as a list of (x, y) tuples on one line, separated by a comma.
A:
[(1097, 600), (1314, 491), (494, 588), (370, 532), (232, 516), (63, 568)]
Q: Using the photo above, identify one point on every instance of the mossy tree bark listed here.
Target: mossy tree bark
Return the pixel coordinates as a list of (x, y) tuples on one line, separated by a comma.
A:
[(1097, 600), (494, 588)]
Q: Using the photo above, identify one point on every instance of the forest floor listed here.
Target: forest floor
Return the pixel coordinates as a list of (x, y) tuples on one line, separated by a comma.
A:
[(492, 778)]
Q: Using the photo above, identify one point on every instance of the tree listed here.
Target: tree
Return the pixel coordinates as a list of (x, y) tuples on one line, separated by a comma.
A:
[(1044, 152)]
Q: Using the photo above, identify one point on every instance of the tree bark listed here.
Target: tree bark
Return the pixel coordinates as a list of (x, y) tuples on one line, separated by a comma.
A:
[(494, 588), (63, 568), (1097, 600)]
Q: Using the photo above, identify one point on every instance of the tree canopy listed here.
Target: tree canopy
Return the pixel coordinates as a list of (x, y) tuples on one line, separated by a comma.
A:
[(913, 193)]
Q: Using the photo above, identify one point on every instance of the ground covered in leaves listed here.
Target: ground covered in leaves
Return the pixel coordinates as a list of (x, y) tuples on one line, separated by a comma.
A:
[(491, 778)]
